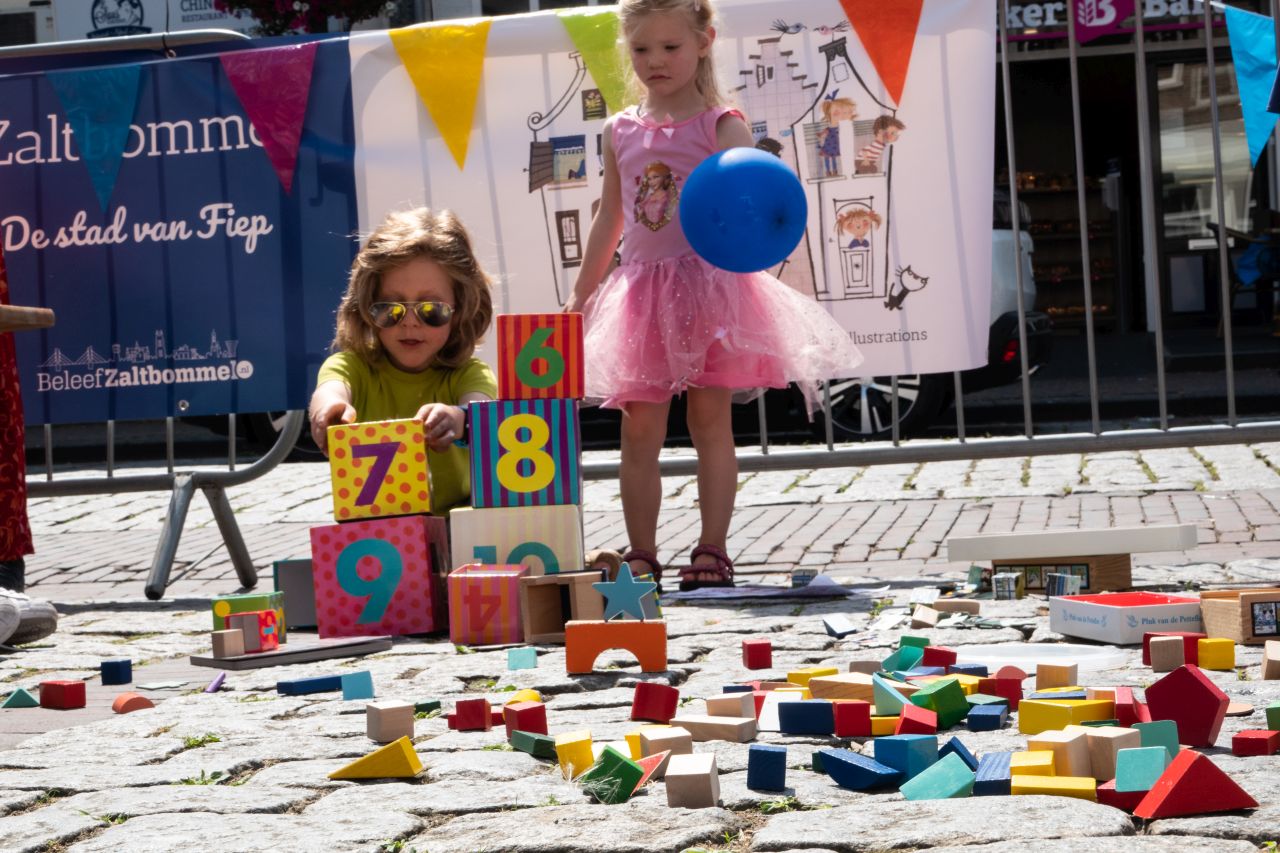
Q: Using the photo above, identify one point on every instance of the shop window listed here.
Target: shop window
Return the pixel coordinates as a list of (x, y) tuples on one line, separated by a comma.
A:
[(568, 231)]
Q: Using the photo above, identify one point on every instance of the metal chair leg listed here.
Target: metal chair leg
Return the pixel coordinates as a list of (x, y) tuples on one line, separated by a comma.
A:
[(184, 488), (226, 519)]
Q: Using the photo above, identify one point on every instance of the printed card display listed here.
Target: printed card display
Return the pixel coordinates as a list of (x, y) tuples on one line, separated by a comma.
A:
[(525, 453), (379, 469)]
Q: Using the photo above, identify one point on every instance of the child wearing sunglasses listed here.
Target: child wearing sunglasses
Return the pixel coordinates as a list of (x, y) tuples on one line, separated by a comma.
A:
[(416, 305)]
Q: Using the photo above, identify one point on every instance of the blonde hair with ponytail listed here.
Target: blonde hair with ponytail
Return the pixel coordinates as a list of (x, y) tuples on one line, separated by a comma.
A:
[(701, 18)]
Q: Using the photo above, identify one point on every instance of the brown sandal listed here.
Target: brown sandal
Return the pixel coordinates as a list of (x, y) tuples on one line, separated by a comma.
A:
[(655, 568), (723, 569)]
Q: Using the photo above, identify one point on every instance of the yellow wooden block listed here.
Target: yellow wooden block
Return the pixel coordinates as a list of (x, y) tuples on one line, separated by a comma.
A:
[(633, 741), (573, 751), (1217, 653), (883, 726), (1055, 786), (396, 760), (525, 695), (968, 683), (1065, 689), (802, 692), (802, 676), (1055, 675), (1032, 762), (1038, 715), (379, 469)]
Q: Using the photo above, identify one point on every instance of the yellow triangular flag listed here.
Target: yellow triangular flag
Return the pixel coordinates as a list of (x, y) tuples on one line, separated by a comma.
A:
[(396, 760), (445, 61)]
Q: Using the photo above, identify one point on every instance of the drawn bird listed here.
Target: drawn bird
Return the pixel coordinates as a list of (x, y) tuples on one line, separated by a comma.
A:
[(787, 29), (824, 30)]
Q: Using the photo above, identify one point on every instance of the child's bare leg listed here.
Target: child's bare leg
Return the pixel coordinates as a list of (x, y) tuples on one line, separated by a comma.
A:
[(711, 428), (644, 429)]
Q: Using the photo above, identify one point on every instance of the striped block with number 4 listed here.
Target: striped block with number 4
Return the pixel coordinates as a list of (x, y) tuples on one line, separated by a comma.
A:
[(525, 453), (540, 356), (484, 605), (378, 469)]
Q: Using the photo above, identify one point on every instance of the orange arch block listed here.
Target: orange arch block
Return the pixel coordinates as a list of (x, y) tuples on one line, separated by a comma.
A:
[(584, 641), (128, 702)]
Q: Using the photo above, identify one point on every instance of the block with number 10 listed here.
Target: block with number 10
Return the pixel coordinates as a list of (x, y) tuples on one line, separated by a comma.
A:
[(540, 356), (379, 469), (525, 453)]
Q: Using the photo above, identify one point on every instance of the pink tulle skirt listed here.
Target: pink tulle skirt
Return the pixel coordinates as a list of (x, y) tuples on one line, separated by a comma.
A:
[(655, 328)]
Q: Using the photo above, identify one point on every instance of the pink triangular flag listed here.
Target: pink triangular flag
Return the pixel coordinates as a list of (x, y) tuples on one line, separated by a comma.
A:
[(273, 86)]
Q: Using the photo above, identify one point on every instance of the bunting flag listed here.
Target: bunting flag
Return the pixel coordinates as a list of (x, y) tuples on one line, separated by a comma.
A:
[(888, 33), (1253, 51), (595, 34), (99, 105), (273, 87), (445, 61)]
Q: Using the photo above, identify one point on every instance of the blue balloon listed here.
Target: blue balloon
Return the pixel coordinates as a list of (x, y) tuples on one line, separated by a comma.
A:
[(743, 210)]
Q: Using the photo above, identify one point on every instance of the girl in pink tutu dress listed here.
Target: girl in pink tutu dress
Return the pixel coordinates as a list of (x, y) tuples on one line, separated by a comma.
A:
[(666, 321)]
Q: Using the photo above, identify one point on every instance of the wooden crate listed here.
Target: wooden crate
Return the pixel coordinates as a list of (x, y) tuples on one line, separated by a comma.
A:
[(1245, 615)]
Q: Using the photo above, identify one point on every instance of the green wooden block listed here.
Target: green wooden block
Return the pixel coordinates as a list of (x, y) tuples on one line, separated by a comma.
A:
[(1273, 717), (226, 605), (1138, 769), (888, 700), (903, 659), (975, 699), (1160, 733), (20, 698), (944, 697), (426, 707), (817, 762), (948, 778), (906, 640), (612, 778), (1097, 724), (539, 746)]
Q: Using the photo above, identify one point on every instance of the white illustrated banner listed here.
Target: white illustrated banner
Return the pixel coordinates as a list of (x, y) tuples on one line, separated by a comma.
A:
[(899, 236)]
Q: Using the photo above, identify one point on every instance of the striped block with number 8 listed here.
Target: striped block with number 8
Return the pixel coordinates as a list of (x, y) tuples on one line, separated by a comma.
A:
[(379, 469), (540, 356), (525, 453)]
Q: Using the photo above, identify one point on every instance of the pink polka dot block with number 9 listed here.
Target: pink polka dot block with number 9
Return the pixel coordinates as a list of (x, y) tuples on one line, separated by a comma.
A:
[(379, 469)]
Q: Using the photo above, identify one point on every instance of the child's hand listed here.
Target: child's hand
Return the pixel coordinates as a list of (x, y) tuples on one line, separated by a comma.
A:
[(443, 424), (337, 412)]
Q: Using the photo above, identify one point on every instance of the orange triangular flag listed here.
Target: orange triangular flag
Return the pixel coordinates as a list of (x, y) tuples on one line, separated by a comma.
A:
[(1192, 785), (888, 33)]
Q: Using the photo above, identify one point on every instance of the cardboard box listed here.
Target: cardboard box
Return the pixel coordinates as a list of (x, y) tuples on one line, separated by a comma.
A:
[(1122, 617), (1244, 615)]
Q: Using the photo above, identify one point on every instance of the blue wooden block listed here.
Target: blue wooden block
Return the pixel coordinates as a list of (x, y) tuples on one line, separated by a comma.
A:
[(908, 754), (949, 778), (993, 775), (888, 700), (525, 657), (525, 453), (1072, 694), (766, 767), (314, 684), (806, 717), (956, 746), (975, 669), (903, 675), (838, 625), (987, 718), (118, 671), (857, 772), (736, 688), (357, 685)]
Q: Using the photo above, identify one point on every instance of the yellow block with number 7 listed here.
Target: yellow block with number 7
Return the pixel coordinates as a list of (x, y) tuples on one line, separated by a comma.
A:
[(525, 453), (379, 469)]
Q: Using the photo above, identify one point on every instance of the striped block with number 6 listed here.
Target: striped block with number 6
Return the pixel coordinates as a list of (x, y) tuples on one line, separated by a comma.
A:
[(540, 356), (525, 453), (484, 605)]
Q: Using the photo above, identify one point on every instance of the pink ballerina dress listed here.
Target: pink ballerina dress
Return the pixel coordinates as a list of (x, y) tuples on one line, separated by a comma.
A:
[(666, 320)]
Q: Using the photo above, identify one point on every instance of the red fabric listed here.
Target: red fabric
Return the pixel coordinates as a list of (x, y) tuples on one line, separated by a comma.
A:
[(15, 529)]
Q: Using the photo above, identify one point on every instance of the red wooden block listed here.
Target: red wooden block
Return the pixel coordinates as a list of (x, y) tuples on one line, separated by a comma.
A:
[(1192, 785), (938, 656), (1009, 688), (914, 720), (473, 715), (758, 696), (1126, 801), (1126, 707), (525, 717), (654, 702), (495, 715), (1255, 742), (1190, 699), (1190, 647), (62, 695), (1011, 671), (757, 654), (853, 718)]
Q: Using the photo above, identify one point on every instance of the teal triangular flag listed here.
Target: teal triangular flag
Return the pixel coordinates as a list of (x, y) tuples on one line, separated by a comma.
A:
[(99, 105), (1253, 50), (20, 698)]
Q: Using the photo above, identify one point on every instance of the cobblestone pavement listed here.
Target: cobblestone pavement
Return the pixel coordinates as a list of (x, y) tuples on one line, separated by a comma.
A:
[(246, 769)]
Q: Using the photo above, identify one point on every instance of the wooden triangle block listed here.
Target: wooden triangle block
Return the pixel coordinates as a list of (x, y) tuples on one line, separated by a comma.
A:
[(20, 698), (1192, 785), (649, 764), (396, 760)]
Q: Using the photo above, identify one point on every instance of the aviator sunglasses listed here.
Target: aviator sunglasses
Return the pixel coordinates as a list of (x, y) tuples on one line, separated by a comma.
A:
[(388, 314)]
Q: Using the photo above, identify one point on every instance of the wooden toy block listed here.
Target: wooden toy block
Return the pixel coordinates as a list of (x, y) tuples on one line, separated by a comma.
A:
[(838, 625), (546, 539), (974, 670), (1192, 785), (549, 602), (1008, 688), (229, 643), (474, 715), (1188, 697), (532, 743), (802, 677), (655, 702), (1032, 762), (948, 778), (993, 776), (1166, 653), (1216, 653), (1244, 616), (672, 740), (731, 705), (806, 717), (357, 685), (905, 657), (863, 667), (1080, 787), (1271, 660), (957, 605), (388, 720), (987, 718), (1109, 796), (908, 754), (916, 720), (854, 771), (117, 671), (1189, 644), (396, 760), (484, 604), (650, 765), (376, 576), (1104, 743), (946, 698), (888, 698), (633, 740), (1126, 706), (62, 695), (976, 699), (1255, 742), (1011, 671), (1038, 715), (737, 688), (20, 698), (968, 683), (525, 453), (846, 685), (259, 629), (924, 617), (525, 717), (613, 778), (702, 727), (127, 703), (584, 641), (540, 356), (1273, 716), (574, 753), (757, 654), (793, 692), (378, 469), (314, 684), (292, 579), (1009, 586), (1060, 693), (692, 781), (938, 656), (1070, 751), (766, 767), (912, 641), (1055, 675), (883, 725), (525, 657), (851, 717), (815, 763), (223, 606), (1162, 733), (955, 746)]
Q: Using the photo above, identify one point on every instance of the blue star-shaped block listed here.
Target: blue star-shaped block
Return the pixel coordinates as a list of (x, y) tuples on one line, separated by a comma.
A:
[(624, 596)]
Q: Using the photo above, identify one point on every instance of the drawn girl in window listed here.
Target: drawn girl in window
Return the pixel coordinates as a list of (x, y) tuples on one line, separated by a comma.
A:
[(657, 196), (834, 111), (856, 223)]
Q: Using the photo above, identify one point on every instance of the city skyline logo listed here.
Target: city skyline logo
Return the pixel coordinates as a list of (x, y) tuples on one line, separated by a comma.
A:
[(131, 365)]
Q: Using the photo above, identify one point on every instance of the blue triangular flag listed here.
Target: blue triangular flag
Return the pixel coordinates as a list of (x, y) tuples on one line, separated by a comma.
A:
[(99, 105), (1253, 50)]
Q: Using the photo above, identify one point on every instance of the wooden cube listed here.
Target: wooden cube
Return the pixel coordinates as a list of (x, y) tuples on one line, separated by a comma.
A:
[(388, 719), (925, 617), (703, 727), (473, 715), (540, 356), (1255, 742), (1167, 653), (224, 605), (1104, 743), (547, 539), (732, 705), (62, 695), (757, 654), (671, 739), (655, 702), (1246, 616), (1217, 653), (524, 717), (228, 644), (525, 453), (692, 781), (957, 605), (549, 602), (573, 751), (484, 605), (1271, 660), (376, 577), (1055, 675), (258, 628), (379, 469), (1070, 751)]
